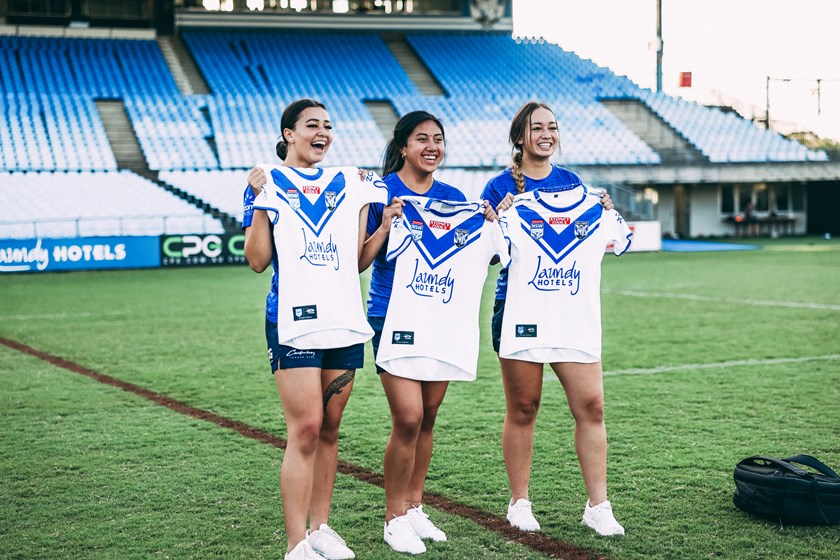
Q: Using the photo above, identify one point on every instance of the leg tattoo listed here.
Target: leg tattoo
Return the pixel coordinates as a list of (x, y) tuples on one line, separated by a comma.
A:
[(337, 385)]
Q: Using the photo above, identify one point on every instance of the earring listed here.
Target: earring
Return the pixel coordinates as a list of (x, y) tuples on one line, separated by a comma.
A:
[(403, 155)]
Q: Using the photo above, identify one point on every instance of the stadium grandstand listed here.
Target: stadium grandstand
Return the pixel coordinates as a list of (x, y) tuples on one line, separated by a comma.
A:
[(122, 118)]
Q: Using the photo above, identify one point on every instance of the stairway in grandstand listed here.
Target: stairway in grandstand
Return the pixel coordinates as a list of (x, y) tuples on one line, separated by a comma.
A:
[(230, 222), (184, 70), (654, 131), (385, 115), (121, 135), (413, 65)]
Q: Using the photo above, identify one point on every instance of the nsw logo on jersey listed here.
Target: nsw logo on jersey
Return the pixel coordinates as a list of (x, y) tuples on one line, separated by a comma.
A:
[(294, 198), (417, 229), (537, 229)]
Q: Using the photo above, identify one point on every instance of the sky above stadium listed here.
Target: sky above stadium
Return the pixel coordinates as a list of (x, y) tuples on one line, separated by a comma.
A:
[(729, 46)]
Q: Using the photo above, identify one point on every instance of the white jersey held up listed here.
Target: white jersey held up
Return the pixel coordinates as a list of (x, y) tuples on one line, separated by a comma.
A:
[(315, 217), (553, 304), (443, 250)]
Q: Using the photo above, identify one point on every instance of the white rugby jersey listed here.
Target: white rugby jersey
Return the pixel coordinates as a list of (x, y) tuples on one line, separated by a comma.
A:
[(315, 213), (553, 305), (443, 250)]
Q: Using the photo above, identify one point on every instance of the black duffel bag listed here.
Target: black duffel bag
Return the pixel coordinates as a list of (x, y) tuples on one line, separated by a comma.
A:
[(778, 489)]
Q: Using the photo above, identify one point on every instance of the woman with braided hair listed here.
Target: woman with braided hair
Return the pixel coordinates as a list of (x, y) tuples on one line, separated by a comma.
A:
[(535, 139)]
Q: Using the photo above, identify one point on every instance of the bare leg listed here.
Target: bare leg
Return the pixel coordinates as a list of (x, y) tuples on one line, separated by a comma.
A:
[(584, 388), (405, 399), (433, 393), (300, 394), (523, 390), (337, 385)]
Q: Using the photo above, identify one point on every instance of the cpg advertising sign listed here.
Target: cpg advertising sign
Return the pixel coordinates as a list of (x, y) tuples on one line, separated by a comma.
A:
[(78, 253), (202, 250)]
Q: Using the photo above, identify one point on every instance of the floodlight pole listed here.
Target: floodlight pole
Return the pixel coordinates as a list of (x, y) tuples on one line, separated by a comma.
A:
[(767, 105), (659, 45)]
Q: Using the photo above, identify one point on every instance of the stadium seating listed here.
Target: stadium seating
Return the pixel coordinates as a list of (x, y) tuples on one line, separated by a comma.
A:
[(49, 122), (73, 204)]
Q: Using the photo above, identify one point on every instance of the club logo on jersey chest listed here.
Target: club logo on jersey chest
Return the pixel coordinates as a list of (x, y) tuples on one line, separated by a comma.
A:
[(329, 198), (581, 229), (461, 236)]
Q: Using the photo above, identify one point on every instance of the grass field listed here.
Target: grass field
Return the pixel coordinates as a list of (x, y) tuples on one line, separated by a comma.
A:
[(709, 358)]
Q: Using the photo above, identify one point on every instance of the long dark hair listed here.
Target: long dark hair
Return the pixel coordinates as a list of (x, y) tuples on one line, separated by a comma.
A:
[(290, 117), (521, 124), (393, 159)]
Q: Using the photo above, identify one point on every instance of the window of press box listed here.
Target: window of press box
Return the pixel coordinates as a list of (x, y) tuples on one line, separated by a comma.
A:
[(798, 192), (782, 195), (762, 197), (727, 199)]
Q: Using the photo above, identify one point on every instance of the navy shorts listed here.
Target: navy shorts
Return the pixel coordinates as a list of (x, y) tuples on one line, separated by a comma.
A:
[(376, 323), (496, 323), (281, 356)]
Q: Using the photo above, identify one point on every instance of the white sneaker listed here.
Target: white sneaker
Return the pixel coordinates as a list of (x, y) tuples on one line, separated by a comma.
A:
[(401, 537), (329, 544), (424, 528), (520, 516), (302, 551), (601, 519)]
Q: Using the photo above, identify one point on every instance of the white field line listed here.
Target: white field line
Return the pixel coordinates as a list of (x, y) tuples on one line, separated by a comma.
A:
[(745, 301), (61, 315), (694, 367), (732, 363)]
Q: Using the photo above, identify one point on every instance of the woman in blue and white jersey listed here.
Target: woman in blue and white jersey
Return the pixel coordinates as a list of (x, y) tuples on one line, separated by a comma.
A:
[(411, 157), (313, 378), (535, 139)]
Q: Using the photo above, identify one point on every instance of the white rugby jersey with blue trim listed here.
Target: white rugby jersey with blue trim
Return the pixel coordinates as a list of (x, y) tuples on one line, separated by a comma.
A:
[(553, 306), (443, 250), (315, 213)]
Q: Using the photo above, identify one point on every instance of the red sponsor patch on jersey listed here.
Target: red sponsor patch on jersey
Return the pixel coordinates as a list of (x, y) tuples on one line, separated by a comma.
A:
[(562, 220), (435, 224), (311, 189)]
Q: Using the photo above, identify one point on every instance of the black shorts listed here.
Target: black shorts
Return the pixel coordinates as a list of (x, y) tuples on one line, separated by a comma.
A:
[(496, 323), (281, 356), (376, 323)]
